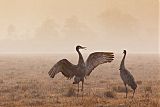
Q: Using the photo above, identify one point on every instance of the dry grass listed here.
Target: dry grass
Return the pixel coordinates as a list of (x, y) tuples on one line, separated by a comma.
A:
[(25, 83), (121, 89), (71, 92), (148, 89), (139, 82), (110, 94)]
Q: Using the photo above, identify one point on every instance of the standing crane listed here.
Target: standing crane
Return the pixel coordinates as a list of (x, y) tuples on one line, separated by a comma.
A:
[(126, 76), (82, 69)]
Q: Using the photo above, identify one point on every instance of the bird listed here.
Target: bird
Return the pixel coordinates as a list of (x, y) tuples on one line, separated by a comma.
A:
[(82, 69), (126, 76)]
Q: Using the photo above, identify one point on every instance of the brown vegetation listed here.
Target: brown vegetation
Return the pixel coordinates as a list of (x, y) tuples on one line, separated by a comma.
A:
[(25, 82)]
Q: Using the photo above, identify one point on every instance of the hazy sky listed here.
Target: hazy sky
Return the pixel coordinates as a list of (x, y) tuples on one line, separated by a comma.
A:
[(59, 25)]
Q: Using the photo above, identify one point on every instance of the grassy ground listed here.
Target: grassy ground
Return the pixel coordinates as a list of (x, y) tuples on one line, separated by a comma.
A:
[(25, 82)]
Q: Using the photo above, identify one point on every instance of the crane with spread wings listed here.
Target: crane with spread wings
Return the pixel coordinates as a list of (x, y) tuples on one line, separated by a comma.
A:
[(82, 69)]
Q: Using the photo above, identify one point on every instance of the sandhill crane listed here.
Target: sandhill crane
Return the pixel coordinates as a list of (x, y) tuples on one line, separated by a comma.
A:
[(126, 76), (82, 69)]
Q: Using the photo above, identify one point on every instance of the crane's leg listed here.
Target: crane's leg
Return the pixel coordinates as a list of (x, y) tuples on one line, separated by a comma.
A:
[(82, 84), (126, 90), (78, 87), (133, 93)]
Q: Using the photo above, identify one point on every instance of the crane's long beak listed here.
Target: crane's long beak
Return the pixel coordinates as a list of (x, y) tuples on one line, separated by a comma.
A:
[(84, 48)]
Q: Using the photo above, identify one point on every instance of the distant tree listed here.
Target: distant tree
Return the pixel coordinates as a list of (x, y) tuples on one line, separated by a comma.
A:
[(118, 22), (47, 30), (74, 28)]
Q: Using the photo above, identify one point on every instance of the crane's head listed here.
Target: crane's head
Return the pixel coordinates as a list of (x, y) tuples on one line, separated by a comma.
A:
[(80, 47), (124, 51)]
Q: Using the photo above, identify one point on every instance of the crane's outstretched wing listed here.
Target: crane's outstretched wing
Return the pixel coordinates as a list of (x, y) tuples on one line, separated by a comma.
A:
[(96, 59), (63, 66)]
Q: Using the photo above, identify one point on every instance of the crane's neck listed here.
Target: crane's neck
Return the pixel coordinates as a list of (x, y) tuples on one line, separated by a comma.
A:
[(80, 61), (122, 66)]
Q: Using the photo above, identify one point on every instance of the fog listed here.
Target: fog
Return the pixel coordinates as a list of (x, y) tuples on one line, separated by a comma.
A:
[(57, 26)]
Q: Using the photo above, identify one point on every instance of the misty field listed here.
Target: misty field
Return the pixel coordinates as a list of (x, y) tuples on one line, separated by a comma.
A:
[(24, 82)]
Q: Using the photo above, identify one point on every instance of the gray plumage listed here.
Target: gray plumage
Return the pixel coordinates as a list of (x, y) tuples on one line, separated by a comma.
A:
[(126, 76), (82, 69)]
